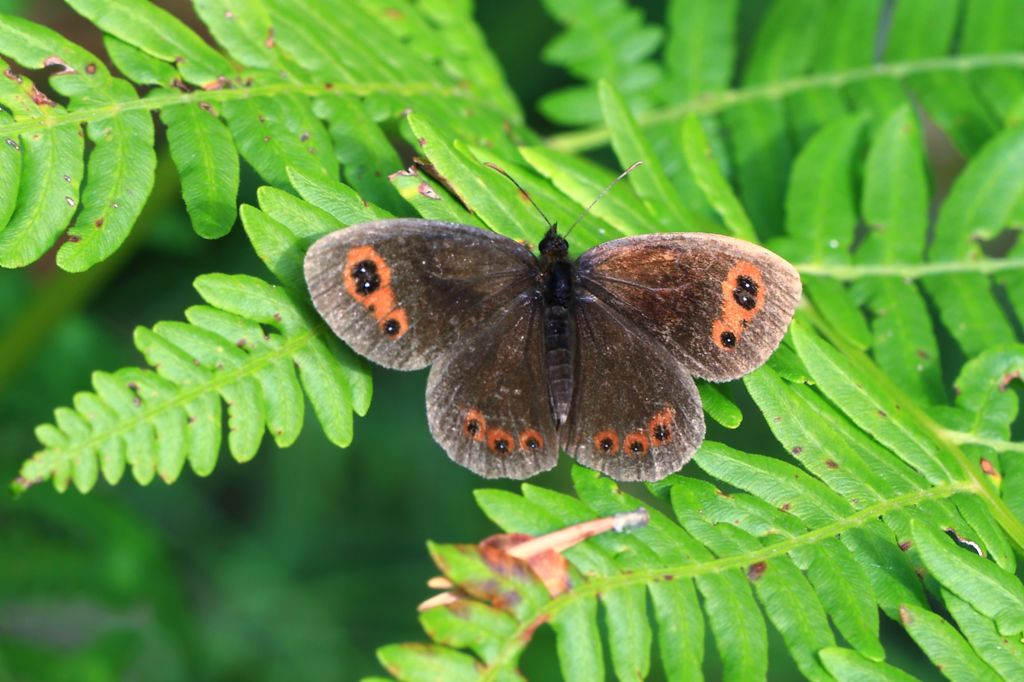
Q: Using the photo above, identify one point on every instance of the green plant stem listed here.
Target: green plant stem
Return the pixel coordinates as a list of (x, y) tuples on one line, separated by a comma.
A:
[(852, 271), (159, 101), (515, 643), (714, 102), (964, 438), (979, 482)]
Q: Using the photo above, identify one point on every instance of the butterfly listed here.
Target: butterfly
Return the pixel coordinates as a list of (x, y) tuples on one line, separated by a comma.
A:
[(531, 355)]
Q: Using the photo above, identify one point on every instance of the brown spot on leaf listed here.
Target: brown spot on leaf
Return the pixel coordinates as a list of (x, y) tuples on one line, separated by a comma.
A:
[(797, 450), (65, 68), (905, 545), (831, 464), (757, 570), (41, 99), (1007, 378)]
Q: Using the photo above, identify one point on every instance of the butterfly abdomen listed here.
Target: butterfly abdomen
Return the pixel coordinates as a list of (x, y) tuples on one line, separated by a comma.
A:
[(558, 337)]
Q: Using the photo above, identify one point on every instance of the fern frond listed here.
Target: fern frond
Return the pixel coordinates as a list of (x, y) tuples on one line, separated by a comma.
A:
[(288, 91), (606, 39), (749, 559), (252, 346)]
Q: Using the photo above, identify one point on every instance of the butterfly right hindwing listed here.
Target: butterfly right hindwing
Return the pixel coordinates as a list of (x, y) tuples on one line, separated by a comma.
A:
[(487, 401)]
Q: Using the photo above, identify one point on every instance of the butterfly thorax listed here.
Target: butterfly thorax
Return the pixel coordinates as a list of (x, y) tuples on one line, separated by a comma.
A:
[(557, 292)]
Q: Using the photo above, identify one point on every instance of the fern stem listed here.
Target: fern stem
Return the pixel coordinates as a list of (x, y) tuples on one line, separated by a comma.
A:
[(964, 438), (714, 102), (159, 101), (851, 271), (593, 586)]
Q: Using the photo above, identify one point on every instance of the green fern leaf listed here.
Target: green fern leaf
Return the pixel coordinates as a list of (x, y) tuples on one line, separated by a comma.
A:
[(156, 421), (605, 39)]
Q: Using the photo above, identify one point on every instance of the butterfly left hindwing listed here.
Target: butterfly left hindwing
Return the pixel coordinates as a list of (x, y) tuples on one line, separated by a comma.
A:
[(636, 414)]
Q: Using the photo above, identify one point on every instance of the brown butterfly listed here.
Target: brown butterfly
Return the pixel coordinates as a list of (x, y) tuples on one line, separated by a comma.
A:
[(535, 354)]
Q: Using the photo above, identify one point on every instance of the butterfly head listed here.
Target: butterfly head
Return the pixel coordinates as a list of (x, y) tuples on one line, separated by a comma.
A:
[(553, 246)]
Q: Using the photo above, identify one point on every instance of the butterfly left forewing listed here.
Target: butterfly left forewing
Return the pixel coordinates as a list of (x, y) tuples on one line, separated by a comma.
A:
[(721, 305), (487, 401), (636, 414)]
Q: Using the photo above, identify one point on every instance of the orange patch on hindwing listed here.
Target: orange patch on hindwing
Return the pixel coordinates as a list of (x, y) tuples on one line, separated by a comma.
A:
[(367, 278), (636, 444), (500, 442), (530, 440), (474, 425), (606, 442), (743, 295), (662, 427)]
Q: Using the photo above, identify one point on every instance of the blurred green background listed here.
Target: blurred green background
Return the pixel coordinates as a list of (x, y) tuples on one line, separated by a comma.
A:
[(294, 566)]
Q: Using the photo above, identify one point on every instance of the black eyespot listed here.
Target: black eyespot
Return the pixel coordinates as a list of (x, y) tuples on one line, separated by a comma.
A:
[(636, 446), (661, 433), (532, 443), (745, 300), (391, 327), (606, 444), (748, 285), (472, 427), (365, 274), (501, 445), (728, 339)]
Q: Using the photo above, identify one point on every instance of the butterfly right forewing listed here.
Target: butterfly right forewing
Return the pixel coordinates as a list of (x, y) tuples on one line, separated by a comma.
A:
[(400, 292)]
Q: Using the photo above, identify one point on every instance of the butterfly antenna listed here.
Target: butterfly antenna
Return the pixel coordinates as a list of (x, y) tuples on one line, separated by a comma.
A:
[(599, 196), (522, 191)]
